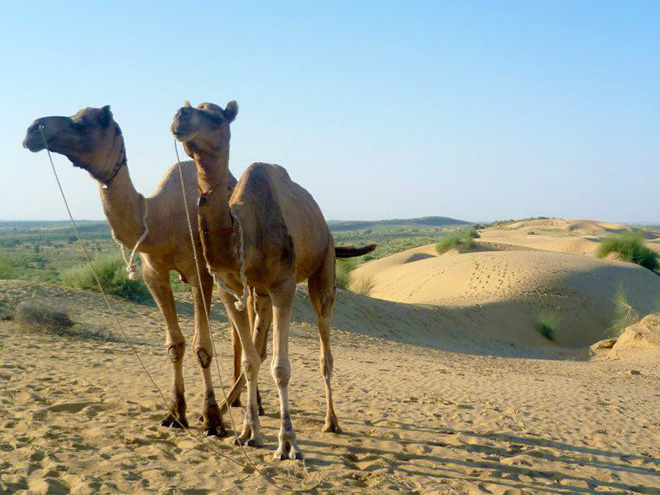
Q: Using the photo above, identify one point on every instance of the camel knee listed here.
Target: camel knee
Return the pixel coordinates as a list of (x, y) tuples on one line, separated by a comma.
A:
[(250, 368), (176, 351), (204, 358), (281, 374), (327, 300)]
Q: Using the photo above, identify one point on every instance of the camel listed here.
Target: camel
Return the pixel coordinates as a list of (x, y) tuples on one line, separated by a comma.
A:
[(93, 141), (285, 240)]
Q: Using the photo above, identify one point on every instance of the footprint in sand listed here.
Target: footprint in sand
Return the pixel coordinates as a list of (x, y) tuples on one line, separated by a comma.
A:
[(71, 407)]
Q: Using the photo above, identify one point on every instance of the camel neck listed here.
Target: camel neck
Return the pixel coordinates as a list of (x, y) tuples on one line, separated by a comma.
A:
[(215, 217), (124, 208), (213, 182)]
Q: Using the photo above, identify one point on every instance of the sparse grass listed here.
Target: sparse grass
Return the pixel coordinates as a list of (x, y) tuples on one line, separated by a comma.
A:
[(546, 323), (35, 316), (112, 274), (624, 314), (464, 239), (363, 286), (630, 247), (343, 268)]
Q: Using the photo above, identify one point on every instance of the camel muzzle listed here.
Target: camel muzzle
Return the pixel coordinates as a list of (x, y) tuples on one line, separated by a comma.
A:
[(34, 141)]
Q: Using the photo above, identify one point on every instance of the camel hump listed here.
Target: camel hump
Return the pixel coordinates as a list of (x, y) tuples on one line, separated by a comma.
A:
[(352, 251), (270, 169)]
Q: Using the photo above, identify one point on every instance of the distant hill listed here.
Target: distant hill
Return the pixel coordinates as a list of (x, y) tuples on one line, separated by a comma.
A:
[(347, 225)]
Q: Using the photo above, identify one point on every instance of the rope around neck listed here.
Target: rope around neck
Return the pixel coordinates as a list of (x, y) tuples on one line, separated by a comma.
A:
[(131, 265)]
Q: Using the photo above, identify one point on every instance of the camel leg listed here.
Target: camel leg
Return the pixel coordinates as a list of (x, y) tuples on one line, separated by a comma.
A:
[(282, 298), (322, 294), (238, 351), (161, 290), (203, 348), (251, 434), (262, 321)]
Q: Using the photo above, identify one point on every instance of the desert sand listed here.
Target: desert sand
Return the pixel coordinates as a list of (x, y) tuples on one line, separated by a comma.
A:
[(442, 385)]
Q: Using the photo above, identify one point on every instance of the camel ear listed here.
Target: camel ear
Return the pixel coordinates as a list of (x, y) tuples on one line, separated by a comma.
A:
[(231, 110), (106, 116)]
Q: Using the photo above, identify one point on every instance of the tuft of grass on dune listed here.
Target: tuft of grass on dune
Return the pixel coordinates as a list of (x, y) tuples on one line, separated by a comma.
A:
[(362, 286), (464, 239), (546, 323), (630, 247), (112, 274), (343, 268), (624, 314)]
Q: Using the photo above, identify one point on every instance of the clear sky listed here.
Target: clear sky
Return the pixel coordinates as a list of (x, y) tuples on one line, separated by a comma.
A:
[(381, 109)]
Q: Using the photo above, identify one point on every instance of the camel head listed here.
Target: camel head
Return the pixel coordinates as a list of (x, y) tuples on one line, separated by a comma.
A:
[(205, 128), (91, 139)]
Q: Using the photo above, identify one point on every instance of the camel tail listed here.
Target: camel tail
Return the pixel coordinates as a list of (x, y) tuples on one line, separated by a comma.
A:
[(352, 251)]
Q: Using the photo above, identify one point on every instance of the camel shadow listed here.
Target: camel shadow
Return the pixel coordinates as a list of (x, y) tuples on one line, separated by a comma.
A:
[(494, 468)]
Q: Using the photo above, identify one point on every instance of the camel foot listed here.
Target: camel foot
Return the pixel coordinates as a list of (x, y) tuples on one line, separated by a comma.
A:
[(236, 403), (250, 442), (213, 425), (251, 435), (332, 427), (287, 451), (261, 411), (215, 431), (172, 422)]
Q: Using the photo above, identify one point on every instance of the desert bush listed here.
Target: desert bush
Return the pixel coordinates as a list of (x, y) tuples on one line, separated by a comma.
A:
[(624, 314), (464, 239), (34, 315), (343, 269), (546, 323), (630, 247), (112, 274)]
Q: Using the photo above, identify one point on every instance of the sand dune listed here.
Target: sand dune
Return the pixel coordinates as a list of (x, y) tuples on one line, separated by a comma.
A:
[(565, 236), (504, 291)]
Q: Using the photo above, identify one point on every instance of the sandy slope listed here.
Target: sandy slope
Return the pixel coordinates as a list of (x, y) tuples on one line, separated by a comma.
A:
[(555, 234), (80, 416), (505, 291)]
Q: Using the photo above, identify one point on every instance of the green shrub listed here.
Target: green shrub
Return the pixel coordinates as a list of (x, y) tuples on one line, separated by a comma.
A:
[(464, 238), (6, 270), (630, 247), (343, 268), (546, 323), (624, 314), (112, 274)]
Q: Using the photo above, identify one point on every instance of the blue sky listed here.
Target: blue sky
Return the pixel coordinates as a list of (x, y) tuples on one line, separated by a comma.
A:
[(475, 110)]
